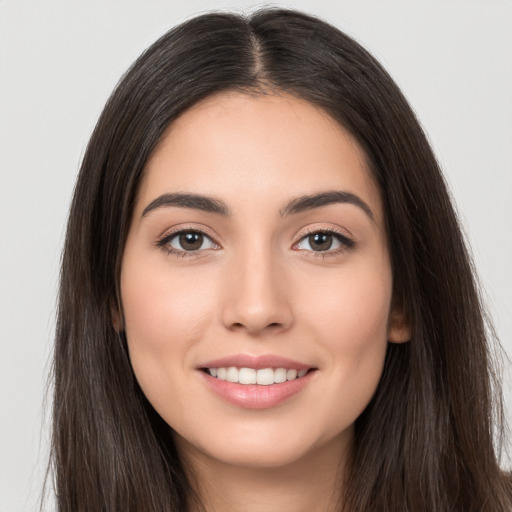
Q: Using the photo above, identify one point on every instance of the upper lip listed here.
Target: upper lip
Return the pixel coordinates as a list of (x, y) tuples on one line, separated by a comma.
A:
[(256, 362)]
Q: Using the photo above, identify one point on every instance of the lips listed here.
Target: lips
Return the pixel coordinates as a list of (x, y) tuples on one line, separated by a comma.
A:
[(256, 382), (256, 362)]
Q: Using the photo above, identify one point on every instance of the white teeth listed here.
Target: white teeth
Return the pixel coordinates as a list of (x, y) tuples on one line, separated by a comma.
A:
[(247, 376), (280, 375), (263, 377), (291, 374), (232, 374)]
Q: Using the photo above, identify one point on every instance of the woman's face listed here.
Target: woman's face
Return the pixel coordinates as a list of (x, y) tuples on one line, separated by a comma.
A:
[(257, 253)]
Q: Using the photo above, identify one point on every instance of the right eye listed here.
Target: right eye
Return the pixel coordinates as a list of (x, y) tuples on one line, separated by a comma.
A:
[(186, 241)]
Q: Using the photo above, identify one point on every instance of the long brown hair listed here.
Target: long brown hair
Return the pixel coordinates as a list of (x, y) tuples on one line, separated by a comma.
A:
[(428, 439)]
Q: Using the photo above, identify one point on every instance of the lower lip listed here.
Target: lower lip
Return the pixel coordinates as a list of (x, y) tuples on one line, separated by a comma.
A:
[(254, 396)]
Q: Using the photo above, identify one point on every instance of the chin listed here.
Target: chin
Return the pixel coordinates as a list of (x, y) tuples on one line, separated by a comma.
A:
[(264, 447)]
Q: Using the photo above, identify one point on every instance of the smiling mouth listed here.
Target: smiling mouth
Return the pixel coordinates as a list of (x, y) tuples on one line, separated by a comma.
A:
[(263, 376)]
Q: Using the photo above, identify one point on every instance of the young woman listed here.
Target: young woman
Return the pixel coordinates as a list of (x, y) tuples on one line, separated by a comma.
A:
[(266, 302)]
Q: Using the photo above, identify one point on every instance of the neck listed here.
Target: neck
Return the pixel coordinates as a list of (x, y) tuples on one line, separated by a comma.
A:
[(311, 484)]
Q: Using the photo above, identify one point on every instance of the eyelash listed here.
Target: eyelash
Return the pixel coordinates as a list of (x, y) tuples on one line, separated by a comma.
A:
[(347, 244), (164, 242)]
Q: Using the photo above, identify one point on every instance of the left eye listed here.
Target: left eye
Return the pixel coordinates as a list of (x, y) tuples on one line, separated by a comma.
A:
[(323, 241), (188, 241)]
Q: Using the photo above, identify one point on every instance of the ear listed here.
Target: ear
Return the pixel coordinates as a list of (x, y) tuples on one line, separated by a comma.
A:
[(117, 318), (399, 325)]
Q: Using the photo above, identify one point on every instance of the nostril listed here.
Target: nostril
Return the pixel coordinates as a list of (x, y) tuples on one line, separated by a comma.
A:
[(270, 327)]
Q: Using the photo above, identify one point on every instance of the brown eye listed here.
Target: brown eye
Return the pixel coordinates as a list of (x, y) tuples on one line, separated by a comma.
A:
[(325, 241), (186, 241), (190, 241), (320, 241)]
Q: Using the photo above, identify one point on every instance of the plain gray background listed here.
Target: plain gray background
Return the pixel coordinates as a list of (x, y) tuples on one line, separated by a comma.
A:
[(59, 61)]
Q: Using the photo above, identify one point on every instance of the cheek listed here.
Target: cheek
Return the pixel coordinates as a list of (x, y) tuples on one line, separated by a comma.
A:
[(350, 306), (349, 319), (165, 315), (159, 303)]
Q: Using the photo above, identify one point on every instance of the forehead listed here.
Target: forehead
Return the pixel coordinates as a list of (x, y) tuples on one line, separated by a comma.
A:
[(260, 148)]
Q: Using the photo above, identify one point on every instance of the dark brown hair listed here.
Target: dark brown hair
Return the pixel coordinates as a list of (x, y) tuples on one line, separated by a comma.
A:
[(428, 440)]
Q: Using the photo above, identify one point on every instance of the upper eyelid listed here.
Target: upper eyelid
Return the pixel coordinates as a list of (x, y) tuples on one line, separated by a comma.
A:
[(330, 230), (169, 234), (308, 231)]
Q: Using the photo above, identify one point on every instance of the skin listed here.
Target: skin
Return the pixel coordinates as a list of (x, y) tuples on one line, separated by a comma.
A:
[(258, 287)]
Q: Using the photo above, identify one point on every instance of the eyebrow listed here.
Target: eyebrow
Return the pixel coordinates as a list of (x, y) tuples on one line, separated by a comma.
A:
[(194, 201), (303, 203), (297, 205)]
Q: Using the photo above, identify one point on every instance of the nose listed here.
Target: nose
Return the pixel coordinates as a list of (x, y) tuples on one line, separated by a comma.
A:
[(255, 294)]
